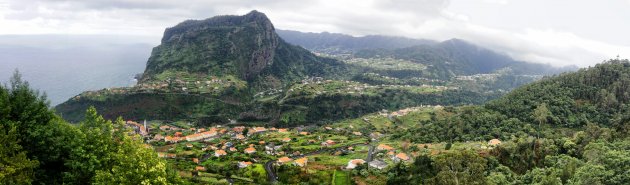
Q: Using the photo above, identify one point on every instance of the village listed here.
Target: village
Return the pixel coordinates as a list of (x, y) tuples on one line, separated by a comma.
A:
[(255, 153)]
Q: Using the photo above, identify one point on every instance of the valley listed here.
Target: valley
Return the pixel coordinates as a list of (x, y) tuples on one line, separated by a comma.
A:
[(232, 100)]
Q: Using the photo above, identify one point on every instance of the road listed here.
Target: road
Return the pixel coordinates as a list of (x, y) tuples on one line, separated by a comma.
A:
[(271, 173), (370, 154)]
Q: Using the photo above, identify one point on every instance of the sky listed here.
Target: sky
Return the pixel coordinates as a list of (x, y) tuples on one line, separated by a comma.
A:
[(559, 32)]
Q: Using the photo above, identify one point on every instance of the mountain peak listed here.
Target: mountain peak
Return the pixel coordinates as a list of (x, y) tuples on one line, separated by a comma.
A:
[(253, 17)]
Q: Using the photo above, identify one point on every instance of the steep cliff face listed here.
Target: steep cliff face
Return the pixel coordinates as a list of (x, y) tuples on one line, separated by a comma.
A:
[(244, 46)]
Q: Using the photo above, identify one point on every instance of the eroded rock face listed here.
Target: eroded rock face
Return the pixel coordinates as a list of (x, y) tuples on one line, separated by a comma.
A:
[(239, 45)]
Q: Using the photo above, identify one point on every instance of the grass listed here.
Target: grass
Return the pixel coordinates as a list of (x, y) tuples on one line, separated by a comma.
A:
[(341, 178)]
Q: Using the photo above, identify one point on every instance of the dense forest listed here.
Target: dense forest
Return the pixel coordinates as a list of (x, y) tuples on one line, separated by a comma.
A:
[(567, 129)]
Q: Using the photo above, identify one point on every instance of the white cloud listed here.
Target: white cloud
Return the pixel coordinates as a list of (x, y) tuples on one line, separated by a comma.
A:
[(529, 37)]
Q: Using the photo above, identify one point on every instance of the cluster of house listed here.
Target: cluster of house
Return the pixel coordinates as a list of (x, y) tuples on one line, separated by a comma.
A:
[(403, 112), (301, 162)]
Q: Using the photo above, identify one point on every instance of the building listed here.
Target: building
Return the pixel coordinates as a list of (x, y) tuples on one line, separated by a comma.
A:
[(250, 150), (257, 130), (286, 139), (239, 136), (138, 128), (400, 157), (378, 164), (200, 168), (243, 164), (283, 160), (283, 130), (354, 163), (170, 139), (328, 143), (494, 142), (357, 133), (158, 137), (301, 162), (188, 145), (303, 133), (219, 153), (271, 149), (238, 129), (201, 136), (384, 147), (195, 160)]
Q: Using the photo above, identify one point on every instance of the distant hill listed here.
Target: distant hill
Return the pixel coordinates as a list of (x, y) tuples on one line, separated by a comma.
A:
[(457, 57), (336, 43)]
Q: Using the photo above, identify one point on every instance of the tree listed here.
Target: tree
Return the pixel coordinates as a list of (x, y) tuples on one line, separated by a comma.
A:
[(41, 133), (15, 167), (541, 113), (111, 155), (460, 167)]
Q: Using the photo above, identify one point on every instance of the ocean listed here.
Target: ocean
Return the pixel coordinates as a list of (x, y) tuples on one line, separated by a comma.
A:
[(63, 66)]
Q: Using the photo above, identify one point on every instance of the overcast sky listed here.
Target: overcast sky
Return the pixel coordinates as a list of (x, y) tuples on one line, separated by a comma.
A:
[(560, 32)]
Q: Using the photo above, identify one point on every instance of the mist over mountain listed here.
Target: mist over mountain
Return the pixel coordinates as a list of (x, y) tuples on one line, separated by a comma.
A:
[(337, 43)]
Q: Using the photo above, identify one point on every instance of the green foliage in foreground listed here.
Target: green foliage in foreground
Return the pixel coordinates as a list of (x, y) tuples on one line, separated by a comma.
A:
[(38, 147)]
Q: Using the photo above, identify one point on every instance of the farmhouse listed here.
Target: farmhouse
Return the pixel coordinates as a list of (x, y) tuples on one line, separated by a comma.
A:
[(354, 163), (301, 162)]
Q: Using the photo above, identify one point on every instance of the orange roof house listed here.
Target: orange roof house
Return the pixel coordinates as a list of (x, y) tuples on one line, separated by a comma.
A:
[(301, 161), (286, 139), (200, 168), (250, 150), (240, 136), (178, 134), (384, 147), (232, 149), (354, 163), (219, 153), (284, 160), (401, 156), (201, 136), (257, 129), (494, 142), (243, 164), (303, 133), (282, 130), (238, 129), (328, 143), (195, 160)]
